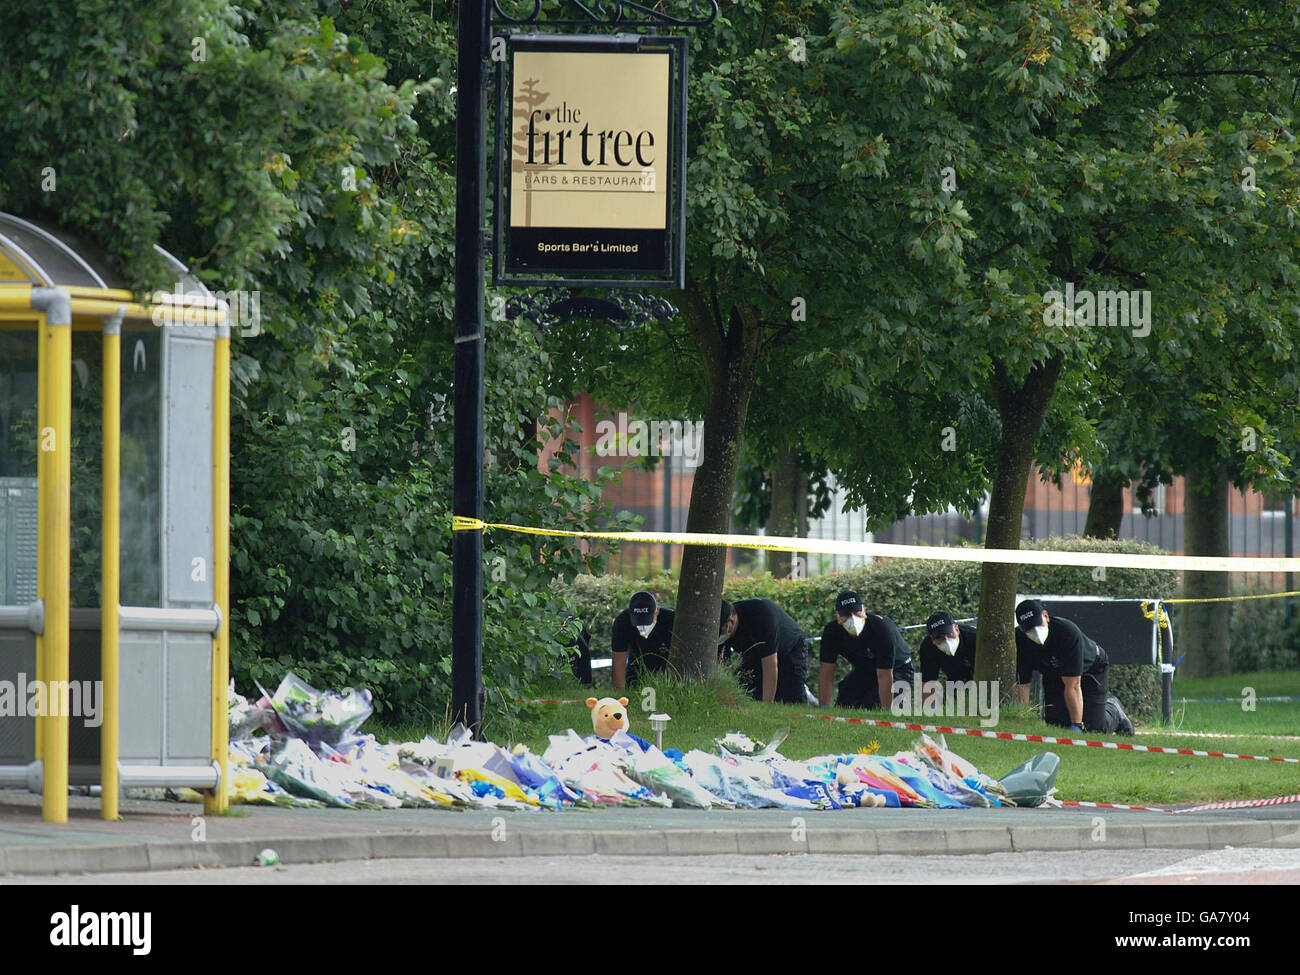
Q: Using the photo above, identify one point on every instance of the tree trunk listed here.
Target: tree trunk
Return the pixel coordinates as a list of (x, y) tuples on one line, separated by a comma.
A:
[(782, 520), (730, 356), (1106, 505), (1021, 410), (1205, 634)]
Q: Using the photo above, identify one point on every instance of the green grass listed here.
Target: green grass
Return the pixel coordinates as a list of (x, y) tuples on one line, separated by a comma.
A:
[(703, 712), (1267, 718), (1265, 682)]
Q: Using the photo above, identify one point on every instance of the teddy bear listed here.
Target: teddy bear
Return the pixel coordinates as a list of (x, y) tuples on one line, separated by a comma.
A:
[(609, 716)]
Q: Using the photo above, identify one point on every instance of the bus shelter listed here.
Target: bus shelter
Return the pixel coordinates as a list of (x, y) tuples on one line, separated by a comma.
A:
[(114, 526)]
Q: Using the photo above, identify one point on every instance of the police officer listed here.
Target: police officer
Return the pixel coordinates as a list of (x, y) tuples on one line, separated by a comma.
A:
[(772, 647), (576, 638), (947, 648), (875, 647), (642, 634), (1075, 672)]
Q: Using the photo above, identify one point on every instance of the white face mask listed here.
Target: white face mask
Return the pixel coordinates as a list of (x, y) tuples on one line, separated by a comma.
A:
[(854, 624), (1038, 634), (723, 638), (645, 631), (950, 645)]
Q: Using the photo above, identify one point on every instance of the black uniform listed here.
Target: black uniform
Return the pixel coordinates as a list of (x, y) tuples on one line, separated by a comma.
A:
[(649, 654), (880, 646), (1067, 652), (577, 639), (763, 629), (959, 667)]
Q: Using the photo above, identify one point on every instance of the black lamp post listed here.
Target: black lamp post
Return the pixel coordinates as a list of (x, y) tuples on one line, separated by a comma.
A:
[(467, 492), (474, 29)]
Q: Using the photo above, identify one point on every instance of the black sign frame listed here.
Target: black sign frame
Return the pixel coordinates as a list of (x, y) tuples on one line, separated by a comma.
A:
[(507, 269)]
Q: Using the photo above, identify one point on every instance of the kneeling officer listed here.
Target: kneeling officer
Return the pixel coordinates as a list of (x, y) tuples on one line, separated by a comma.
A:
[(948, 648), (1074, 668), (875, 647)]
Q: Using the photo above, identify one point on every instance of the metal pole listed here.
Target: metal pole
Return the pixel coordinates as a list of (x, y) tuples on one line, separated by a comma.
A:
[(56, 514), (666, 468), (1288, 539), (1166, 666), (110, 564), (1245, 526), (467, 490), (217, 801), (43, 369)]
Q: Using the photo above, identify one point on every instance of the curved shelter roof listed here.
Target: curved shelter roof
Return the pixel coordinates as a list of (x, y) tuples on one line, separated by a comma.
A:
[(35, 256)]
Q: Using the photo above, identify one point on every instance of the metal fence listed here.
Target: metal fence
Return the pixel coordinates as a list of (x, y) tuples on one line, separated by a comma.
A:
[(1258, 524)]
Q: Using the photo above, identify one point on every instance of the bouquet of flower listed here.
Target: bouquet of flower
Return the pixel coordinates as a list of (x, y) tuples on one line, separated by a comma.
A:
[(727, 781), (657, 772), (316, 716)]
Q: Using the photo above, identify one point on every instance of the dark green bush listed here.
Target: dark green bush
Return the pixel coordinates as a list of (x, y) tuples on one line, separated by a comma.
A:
[(342, 557), (1138, 687), (906, 590), (1260, 636)]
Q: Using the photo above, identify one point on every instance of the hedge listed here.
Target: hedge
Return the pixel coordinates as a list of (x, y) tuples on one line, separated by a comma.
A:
[(1260, 636), (907, 591)]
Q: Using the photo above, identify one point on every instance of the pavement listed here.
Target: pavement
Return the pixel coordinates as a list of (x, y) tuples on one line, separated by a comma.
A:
[(154, 835)]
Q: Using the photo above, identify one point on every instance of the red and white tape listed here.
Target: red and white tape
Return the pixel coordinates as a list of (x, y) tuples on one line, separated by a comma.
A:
[(1115, 805), (1228, 804), (1122, 746), (547, 700), (1216, 734), (1242, 804)]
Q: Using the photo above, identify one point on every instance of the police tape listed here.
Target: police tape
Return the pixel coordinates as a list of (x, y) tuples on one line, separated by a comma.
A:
[(922, 626), (548, 700), (938, 553), (1166, 734), (1236, 700), (1241, 804), (1233, 599), (1217, 734), (1204, 807), (910, 626), (1044, 739)]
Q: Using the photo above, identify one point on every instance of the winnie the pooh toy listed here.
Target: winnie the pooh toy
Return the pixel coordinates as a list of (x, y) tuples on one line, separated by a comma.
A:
[(609, 717)]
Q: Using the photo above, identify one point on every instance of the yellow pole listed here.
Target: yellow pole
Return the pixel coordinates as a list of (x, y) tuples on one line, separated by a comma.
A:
[(110, 563), (217, 801), (42, 506), (55, 492)]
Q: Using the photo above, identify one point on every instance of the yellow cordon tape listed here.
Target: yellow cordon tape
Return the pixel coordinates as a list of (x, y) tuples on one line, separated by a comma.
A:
[(1230, 599), (1148, 610), (938, 553)]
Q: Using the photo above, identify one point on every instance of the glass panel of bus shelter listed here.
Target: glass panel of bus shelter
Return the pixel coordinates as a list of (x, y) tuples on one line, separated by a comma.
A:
[(141, 402), (87, 466), (141, 473), (18, 443)]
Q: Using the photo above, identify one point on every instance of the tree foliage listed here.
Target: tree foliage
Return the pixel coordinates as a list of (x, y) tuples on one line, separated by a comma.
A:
[(303, 150)]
